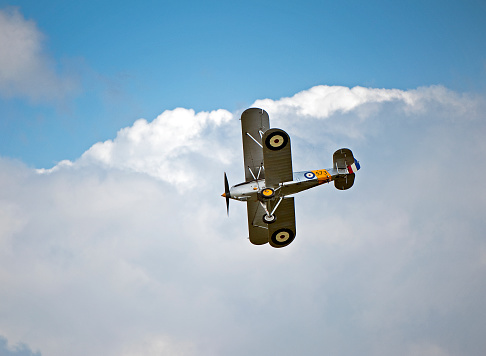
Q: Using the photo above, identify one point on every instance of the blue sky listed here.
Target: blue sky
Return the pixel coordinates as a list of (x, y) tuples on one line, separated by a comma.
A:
[(129, 60), (117, 121)]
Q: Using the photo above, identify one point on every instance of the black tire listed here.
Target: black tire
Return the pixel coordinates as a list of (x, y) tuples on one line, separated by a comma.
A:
[(269, 221), (267, 193)]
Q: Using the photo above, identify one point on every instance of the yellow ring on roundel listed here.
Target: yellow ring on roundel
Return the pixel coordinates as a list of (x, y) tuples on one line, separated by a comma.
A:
[(282, 236), (277, 141)]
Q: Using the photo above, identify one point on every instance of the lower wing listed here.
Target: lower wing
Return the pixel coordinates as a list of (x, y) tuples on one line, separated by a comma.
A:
[(279, 233)]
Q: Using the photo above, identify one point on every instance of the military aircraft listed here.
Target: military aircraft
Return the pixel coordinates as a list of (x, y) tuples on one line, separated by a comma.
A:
[(269, 179)]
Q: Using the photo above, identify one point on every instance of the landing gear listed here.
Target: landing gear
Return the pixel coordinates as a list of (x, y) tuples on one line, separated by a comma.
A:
[(269, 219)]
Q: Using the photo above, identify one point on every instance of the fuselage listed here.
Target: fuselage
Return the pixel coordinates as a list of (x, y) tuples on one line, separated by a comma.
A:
[(301, 181)]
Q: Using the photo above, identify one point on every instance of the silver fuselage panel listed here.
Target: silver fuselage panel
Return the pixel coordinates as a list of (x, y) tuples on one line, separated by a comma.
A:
[(301, 181)]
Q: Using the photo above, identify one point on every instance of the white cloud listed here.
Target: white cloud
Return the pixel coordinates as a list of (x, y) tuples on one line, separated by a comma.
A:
[(26, 70), (166, 147), (323, 100), (103, 256)]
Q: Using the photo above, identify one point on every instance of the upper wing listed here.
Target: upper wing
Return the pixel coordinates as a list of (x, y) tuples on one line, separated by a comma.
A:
[(277, 157), (254, 122)]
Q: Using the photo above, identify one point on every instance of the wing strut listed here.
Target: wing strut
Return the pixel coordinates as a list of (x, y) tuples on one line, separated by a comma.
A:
[(258, 175), (253, 174), (274, 209), (276, 206), (258, 143)]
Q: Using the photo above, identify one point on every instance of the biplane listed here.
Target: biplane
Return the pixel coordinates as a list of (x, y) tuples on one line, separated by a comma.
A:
[(269, 179)]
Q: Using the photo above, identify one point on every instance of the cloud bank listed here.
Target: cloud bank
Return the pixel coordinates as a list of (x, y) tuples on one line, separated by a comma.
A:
[(128, 250), (26, 70)]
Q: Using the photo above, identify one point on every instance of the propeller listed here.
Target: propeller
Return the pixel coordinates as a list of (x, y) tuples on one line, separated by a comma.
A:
[(226, 193)]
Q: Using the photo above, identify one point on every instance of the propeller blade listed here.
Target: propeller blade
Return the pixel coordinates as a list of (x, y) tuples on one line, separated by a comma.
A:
[(226, 193)]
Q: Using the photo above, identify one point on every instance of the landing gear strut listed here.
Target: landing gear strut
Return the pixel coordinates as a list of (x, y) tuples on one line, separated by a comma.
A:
[(269, 217)]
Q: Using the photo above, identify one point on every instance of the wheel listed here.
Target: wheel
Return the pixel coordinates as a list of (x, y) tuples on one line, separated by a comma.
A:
[(276, 140), (269, 220), (267, 193)]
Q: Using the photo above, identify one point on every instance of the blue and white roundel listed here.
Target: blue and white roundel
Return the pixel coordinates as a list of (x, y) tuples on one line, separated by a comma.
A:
[(309, 175)]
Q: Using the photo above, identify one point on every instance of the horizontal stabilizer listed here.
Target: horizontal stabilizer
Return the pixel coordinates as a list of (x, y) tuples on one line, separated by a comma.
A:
[(345, 166), (342, 158), (344, 182)]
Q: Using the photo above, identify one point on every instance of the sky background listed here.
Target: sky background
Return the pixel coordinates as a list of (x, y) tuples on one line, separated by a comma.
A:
[(118, 119), (88, 69)]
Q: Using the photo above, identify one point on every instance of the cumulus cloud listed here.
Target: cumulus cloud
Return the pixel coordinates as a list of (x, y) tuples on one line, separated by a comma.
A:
[(166, 147), (323, 100), (103, 256), (26, 70)]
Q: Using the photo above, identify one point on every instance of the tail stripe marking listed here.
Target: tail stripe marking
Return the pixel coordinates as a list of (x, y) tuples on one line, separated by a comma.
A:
[(354, 167)]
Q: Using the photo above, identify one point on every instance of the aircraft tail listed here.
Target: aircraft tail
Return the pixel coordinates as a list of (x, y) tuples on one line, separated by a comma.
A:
[(345, 166)]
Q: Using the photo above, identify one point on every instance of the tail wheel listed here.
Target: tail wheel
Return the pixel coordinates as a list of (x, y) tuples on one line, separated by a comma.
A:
[(269, 219), (267, 193), (282, 237)]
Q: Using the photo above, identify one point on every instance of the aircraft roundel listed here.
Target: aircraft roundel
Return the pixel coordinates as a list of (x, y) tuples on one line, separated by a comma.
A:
[(309, 175), (276, 140), (283, 237)]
